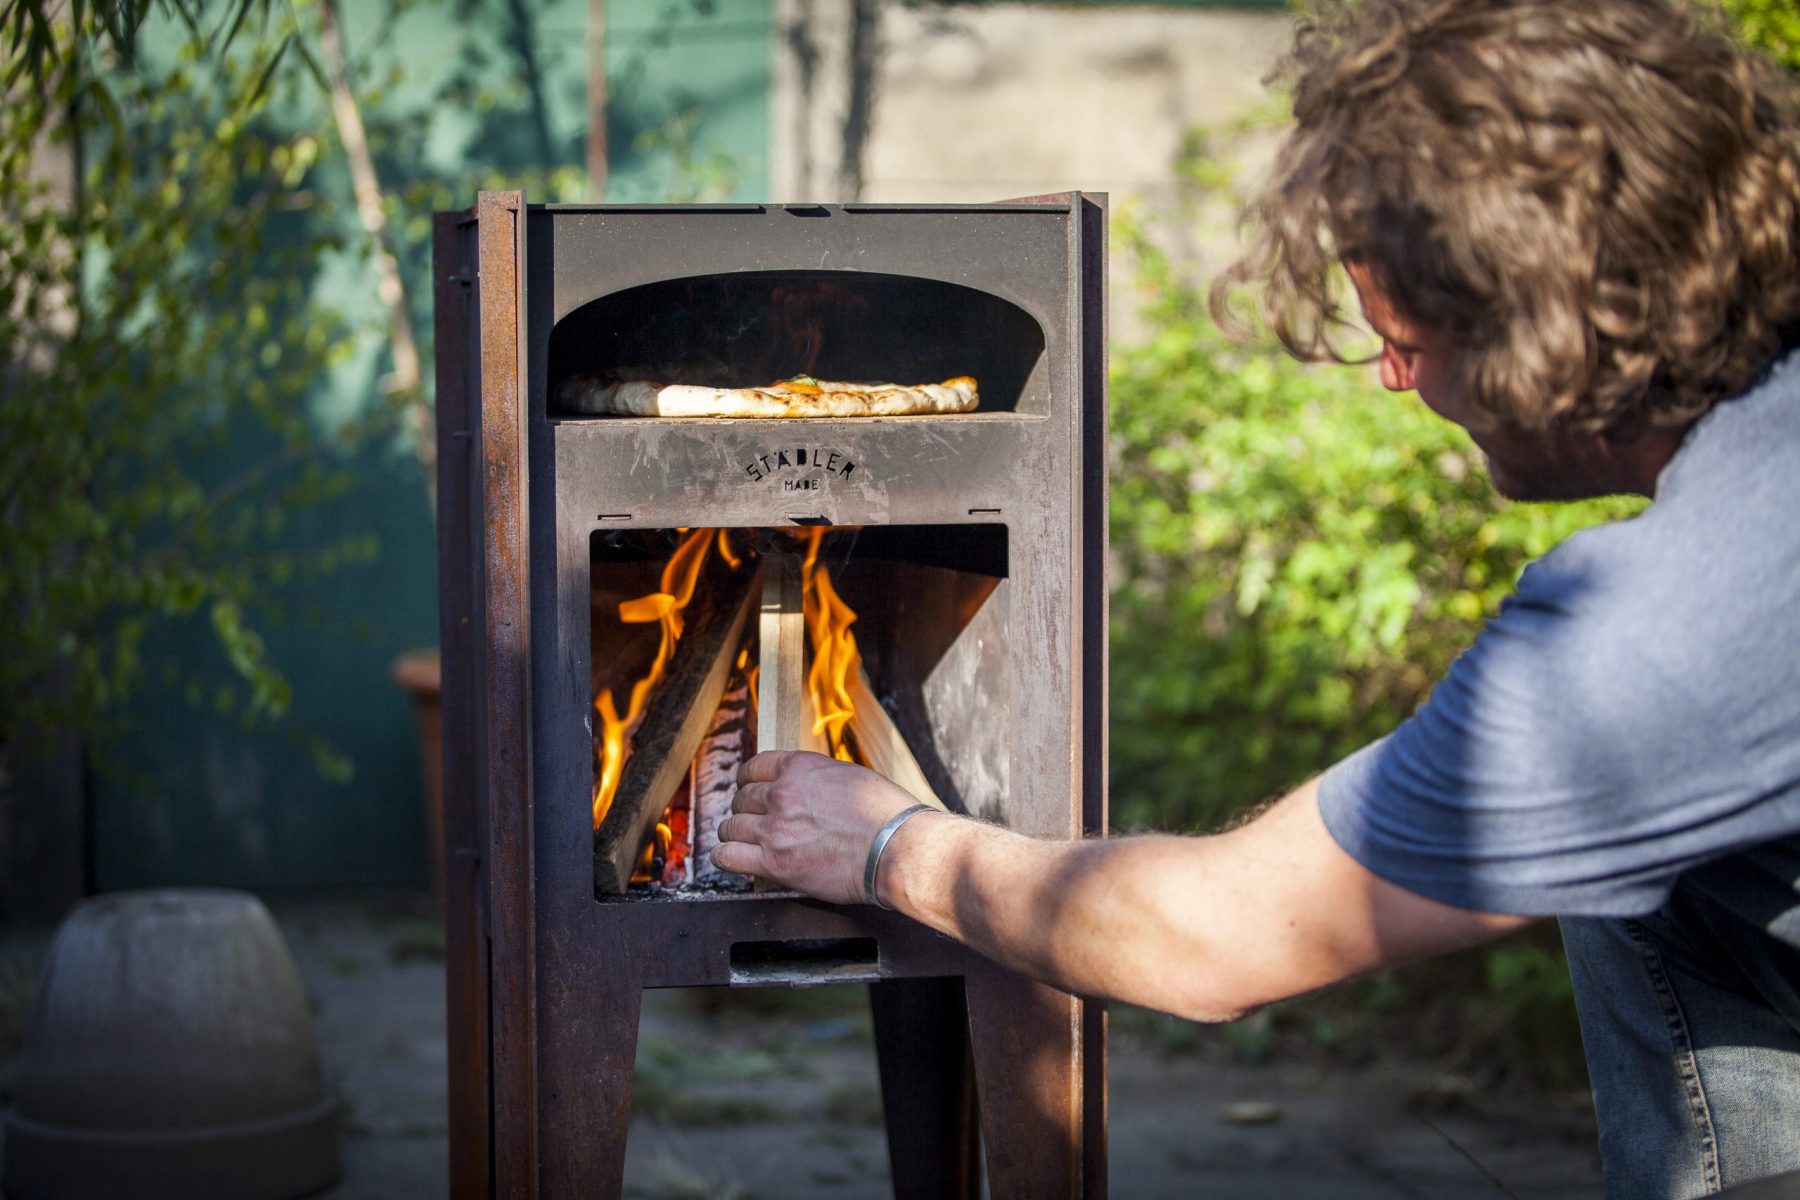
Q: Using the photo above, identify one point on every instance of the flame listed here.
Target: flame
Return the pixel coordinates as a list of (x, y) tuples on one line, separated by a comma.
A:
[(664, 607), (835, 658), (835, 662), (751, 671)]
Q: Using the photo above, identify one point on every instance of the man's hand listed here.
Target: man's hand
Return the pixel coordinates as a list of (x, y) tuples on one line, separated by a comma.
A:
[(805, 821)]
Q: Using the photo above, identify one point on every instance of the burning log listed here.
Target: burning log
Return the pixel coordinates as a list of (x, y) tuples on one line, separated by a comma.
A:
[(675, 720), (704, 709), (674, 839), (730, 739)]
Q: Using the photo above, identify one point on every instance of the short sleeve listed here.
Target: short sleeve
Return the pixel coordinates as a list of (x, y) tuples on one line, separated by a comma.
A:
[(1560, 767)]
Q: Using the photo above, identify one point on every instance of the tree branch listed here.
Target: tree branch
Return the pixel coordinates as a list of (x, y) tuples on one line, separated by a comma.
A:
[(406, 384), (597, 101)]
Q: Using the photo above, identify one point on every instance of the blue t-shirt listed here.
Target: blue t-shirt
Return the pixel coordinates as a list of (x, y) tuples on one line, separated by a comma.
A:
[(1630, 715)]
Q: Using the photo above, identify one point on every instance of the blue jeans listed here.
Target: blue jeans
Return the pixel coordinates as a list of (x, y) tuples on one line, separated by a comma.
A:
[(1690, 1018)]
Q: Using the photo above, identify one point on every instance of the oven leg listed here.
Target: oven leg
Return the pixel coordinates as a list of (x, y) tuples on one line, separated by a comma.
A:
[(927, 1092), (1027, 1046), (604, 1125)]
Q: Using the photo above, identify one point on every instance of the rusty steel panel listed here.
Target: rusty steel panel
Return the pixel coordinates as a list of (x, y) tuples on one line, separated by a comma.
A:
[(460, 643), (1094, 1099), (1095, 620), (1025, 1037), (506, 583), (605, 248)]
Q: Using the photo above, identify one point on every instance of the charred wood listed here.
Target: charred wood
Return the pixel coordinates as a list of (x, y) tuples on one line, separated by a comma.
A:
[(729, 740), (675, 720)]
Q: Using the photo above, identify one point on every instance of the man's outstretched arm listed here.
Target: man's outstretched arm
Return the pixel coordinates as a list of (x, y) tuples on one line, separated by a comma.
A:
[(1204, 927)]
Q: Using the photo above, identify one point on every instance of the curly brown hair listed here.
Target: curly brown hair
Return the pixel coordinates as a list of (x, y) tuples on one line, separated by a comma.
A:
[(1598, 201)]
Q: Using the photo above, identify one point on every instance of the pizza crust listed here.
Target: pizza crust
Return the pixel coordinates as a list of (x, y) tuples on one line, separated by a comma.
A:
[(790, 398)]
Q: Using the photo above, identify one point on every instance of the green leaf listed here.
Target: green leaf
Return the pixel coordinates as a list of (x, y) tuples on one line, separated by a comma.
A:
[(313, 68), (237, 24), (268, 72)]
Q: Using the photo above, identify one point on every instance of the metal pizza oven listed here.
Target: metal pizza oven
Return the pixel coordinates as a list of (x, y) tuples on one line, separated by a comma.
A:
[(974, 544)]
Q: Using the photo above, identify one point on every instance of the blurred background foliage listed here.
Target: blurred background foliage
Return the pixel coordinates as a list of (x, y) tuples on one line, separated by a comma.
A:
[(1296, 553), (157, 308), (1772, 26), (212, 509)]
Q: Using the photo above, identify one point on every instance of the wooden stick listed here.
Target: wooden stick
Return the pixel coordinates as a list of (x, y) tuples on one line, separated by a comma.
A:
[(883, 748), (781, 720), (675, 720)]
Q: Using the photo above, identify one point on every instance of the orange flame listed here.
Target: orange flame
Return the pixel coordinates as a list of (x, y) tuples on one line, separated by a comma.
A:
[(835, 658), (664, 607)]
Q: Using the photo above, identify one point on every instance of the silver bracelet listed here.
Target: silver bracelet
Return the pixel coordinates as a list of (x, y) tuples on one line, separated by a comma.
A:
[(876, 847)]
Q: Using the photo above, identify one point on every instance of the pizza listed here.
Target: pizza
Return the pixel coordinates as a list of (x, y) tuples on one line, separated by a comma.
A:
[(801, 396)]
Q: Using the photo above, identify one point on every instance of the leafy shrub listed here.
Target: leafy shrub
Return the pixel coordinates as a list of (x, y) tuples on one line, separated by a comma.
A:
[(1772, 26)]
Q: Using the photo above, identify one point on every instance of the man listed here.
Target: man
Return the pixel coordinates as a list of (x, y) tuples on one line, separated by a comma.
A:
[(1575, 229)]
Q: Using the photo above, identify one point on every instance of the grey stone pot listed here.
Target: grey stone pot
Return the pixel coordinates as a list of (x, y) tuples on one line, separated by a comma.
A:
[(170, 1053)]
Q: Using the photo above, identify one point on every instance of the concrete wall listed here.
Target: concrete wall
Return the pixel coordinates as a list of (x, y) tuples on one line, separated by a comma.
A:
[(987, 102), (978, 103)]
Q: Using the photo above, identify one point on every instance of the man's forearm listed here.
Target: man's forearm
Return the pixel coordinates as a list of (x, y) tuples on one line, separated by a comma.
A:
[(1205, 927), (1090, 917)]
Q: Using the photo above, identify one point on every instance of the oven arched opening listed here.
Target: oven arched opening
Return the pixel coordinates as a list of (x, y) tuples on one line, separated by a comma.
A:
[(753, 328)]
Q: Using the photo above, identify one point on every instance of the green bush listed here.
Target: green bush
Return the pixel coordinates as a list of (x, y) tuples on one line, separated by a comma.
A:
[(1297, 554), (1772, 26)]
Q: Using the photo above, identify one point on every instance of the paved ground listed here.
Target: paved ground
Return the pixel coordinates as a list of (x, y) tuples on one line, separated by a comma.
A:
[(734, 1089)]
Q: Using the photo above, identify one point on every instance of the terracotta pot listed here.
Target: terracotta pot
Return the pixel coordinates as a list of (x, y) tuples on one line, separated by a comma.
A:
[(170, 1055), (420, 675)]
